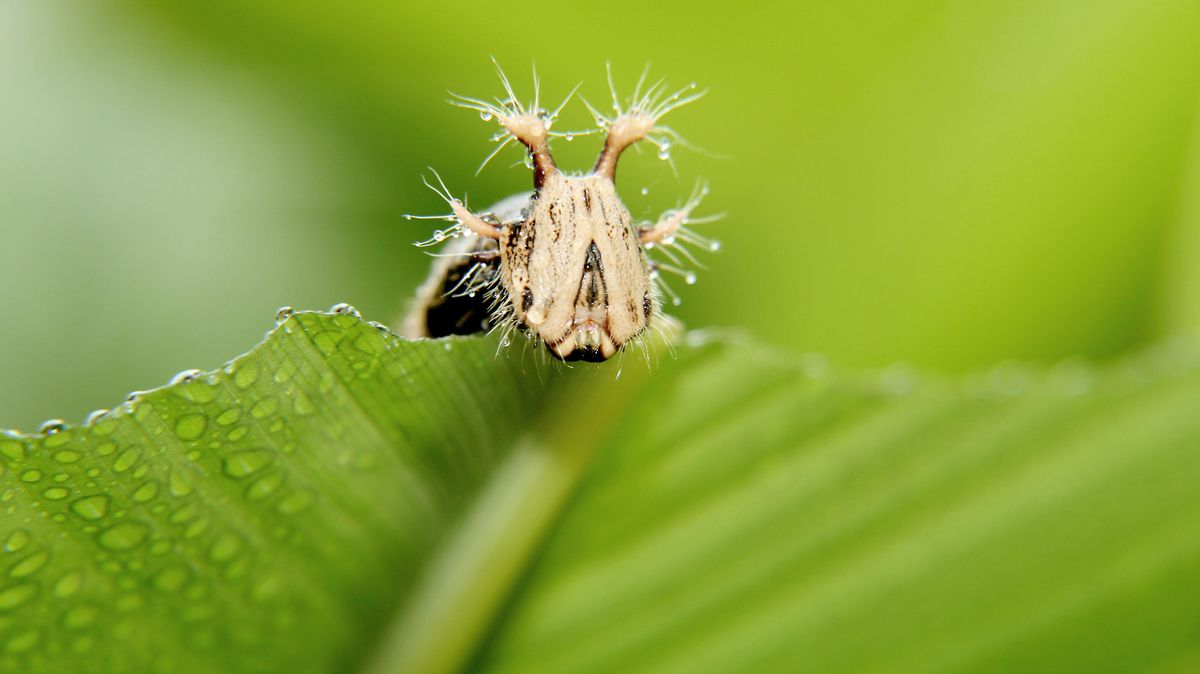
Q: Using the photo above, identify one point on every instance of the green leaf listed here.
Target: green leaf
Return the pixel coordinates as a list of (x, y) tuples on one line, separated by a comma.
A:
[(340, 499)]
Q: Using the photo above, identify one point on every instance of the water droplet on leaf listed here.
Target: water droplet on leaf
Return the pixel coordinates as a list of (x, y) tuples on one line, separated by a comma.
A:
[(52, 427), (91, 507), (186, 376), (123, 536)]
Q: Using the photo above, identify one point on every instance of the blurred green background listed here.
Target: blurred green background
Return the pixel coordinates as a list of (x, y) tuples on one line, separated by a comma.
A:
[(946, 183)]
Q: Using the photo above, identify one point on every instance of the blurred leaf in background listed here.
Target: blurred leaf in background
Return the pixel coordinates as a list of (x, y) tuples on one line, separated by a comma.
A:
[(947, 183)]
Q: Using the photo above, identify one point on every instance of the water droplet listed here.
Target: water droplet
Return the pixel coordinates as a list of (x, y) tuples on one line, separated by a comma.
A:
[(264, 486), (294, 503), (183, 514), (172, 578), (177, 485), (31, 475), (195, 528), (146, 492), (23, 642), (237, 433), (265, 588), (485, 115), (52, 427), (69, 584), (67, 456), (241, 464), (186, 376), (302, 405), (13, 450), (229, 416), (17, 540), (246, 375), (675, 301), (690, 278), (344, 309), (56, 493), (134, 396), (264, 408), (123, 536), (91, 508), (125, 461), (191, 426), (129, 602), (95, 416), (16, 595), (569, 137), (80, 617), (225, 548), (714, 246), (30, 565), (645, 191), (285, 313)]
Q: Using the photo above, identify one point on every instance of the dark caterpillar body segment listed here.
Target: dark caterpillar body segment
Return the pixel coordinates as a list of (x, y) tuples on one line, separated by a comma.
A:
[(458, 297)]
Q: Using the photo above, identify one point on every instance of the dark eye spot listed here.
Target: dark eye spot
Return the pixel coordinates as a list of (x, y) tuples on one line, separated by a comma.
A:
[(526, 299), (647, 306)]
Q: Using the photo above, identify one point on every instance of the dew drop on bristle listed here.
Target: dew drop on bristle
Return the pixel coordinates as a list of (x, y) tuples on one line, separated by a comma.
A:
[(664, 154), (690, 279), (285, 313), (676, 301), (52, 426), (714, 246), (343, 309), (485, 115)]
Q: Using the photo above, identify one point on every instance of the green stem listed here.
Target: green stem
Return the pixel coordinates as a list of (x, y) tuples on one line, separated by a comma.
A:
[(469, 578)]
